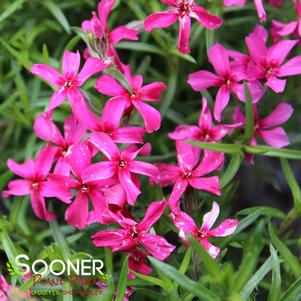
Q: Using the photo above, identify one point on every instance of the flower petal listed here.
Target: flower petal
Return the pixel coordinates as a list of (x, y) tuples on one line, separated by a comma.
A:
[(107, 85), (24, 170), (77, 213), (205, 119), (46, 130), (160, 20), (210, 184), (44, 161), (275, 137), (211, 162), (156, 245), (168, 174), (177, 191), (151, 116), (131, 134), (219, 59), (206, 19), (210, 248), (280, 115), (143, 168), (257, 48), (291, 67), (221, 101), (123, 33), (185, 132), (110, 238), (279, 51), (260, 10), (98, 171), (202, 80), (183, 222), (184, 34), (70, 63), (104, 9), (152, 91), (210, 217), (92, 66), (113, 111), (57, 99), (129, 186), (276, 84), (18, 187), (39, 207), (187, 155), (106, 145), (73, 130), (47, 73), (226, 228)]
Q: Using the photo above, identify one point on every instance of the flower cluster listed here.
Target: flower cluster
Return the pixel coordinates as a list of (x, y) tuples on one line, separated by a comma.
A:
[(95, 165)]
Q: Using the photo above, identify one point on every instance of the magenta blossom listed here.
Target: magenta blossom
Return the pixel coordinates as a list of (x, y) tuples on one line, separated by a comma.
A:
[(69, 82), (183, 10), (119, 164), (228, 79), (276, 3), (46, 130), (267, 63), (137, 263), (187, 174), (109, 123), (269, 128), (135, 235), (186, 225), (126, 101), (34, 183), (205, 131), (78, 212), (258, 3), (106, 39), (280, 30), (5, 289)]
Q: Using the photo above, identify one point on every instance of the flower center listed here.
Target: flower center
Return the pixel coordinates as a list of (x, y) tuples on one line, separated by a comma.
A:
[(270, 71), (122, 164), (187, 175), (85, 188), (134, 233), (201, 234), (228, 83), (35, 186), (68, 84)]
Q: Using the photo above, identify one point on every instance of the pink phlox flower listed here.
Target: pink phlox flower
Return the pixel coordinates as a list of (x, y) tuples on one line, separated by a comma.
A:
[(106, 39), (188, 174), (205, 131), (267, 63), (137, 263), (70, 80), (182, 10), (135, 234), (128, 292), (77, 213), (280, 29), (258, 4), (119, 164), (46, 130), (228, 79), (123, 99), (269, 128), (34, 183), (186, 225), (5, 289), (109, 123)]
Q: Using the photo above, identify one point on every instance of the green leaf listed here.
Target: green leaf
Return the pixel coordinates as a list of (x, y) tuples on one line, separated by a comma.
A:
[(219, 147), (291, 293), (196, 288), (60, 239), (8, 245), (231, 170), (58, 14), (285, 252), (140, 46), (293, 184), (249, 128), (186, 260), (153, 280), (15, 5), (275, 289), (210, 264), (186, 57), (122, 281), (252, 248), (172, 86), (264, 211), (256, 278)]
